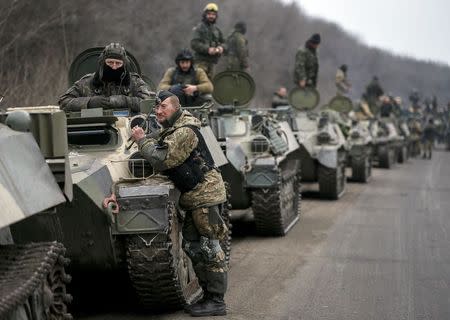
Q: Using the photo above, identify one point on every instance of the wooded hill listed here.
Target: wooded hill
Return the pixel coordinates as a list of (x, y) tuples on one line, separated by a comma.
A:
[(39, 40)]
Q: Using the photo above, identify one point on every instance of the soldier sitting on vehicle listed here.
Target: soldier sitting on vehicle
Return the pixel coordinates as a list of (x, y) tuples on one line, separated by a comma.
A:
[(280, 98), (362, 109), (189, 83), (112, 86), (181, 153)]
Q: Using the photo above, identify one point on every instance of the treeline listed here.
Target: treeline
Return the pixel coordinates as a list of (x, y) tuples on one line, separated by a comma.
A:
[(40, 39)]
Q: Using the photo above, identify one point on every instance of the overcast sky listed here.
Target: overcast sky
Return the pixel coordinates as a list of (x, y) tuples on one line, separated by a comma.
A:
[(418, 28)]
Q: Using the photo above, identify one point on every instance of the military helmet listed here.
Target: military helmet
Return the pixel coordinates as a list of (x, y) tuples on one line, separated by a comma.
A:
[(211, 7), (184, 54)]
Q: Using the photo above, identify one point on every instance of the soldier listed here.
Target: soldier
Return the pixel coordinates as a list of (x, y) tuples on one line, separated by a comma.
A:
[(237, 49), (189, 83), (207, 41), (280, 98), (386, 107), (307, 64), (112, 86), (181, 153), (373, 92), (429, 134), (362, 110), (414, 97), (342, 84)]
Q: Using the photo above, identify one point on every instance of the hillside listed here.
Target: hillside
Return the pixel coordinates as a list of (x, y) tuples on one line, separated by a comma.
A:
[(38, 43)]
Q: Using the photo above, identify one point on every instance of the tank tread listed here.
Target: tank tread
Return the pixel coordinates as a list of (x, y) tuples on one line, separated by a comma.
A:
[(276, 210), (332, 181), (361, 169), (34, 274), (226, 242), (159, 270)]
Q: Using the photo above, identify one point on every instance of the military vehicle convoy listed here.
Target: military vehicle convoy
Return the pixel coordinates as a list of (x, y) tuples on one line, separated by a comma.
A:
[(122, 217), (264, 170), (323, 149), (32, 275)]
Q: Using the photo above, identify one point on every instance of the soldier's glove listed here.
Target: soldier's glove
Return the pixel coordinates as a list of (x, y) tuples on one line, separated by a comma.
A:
[(98, 102), (124, 102)]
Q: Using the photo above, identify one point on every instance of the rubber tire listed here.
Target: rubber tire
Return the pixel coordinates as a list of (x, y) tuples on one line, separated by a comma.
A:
[(402, 155), (361, 169), (332, 182), (386, 157)]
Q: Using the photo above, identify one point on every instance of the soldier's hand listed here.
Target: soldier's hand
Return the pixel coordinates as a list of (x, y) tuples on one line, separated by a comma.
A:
[(219, 49), (190, 89), (137, 133), (98, 102), (302, 83)]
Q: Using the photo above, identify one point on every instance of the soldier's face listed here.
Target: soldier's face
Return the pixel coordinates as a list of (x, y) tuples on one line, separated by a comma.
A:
[(211, 16), (185, 65), (165, 110), (114, 63)]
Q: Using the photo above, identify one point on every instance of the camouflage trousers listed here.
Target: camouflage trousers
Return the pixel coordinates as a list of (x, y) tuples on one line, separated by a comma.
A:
[(203, 229), (427, 148), (208, 67)]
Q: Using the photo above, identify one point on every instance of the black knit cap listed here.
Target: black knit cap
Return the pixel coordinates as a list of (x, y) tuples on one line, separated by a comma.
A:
[(163, 95), (315, 39), (114, 51)]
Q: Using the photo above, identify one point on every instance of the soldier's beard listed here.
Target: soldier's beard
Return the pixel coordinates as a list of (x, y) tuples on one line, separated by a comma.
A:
[(111, 75)]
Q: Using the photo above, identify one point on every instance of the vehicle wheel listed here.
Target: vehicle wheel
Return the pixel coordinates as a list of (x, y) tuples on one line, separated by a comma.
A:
[(276, 210), (159, 269), (402, 155), (361, 169), (332, 182), (385, 157)]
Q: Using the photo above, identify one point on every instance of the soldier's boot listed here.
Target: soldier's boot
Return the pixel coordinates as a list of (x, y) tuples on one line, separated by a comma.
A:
[(213, 305)]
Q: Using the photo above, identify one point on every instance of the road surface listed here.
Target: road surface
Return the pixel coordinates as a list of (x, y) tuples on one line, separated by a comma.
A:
[(381, 252)]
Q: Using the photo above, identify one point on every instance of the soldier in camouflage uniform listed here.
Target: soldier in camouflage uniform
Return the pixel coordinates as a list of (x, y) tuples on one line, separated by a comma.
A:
[(307, 64), (180, 152), (189, 83), (237, 48), (208, 41), (112, 86), (342, 84)]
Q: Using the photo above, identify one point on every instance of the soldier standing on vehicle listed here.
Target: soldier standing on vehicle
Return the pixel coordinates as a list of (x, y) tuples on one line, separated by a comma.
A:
[(307, 63), (237, 48), (207, 41), (428, 137), (280, 98), (189, 83), (180, 153), (112, 86), (342, 84)]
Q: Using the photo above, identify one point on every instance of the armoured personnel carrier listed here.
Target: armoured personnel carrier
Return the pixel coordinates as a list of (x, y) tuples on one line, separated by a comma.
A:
[(32, 275), (359, 140), (263, 171), (123, 218), (323, 149)]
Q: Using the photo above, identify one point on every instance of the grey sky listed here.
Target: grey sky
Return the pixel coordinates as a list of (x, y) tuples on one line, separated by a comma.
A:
[(416, 28)]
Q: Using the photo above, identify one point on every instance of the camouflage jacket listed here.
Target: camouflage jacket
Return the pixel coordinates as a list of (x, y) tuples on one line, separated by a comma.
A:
[(180, 142), (306, 67), (197, 76), (205, 36), (237, 54), (278, 100), (77, 96)]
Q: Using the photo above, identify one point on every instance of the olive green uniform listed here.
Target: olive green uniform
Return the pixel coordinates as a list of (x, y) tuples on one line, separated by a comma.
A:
[(199, 78), (306, 67), (129, 95), (205, 36), (203, 225), (237, 54)]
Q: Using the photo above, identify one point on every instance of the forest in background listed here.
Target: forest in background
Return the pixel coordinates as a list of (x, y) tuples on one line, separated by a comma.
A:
[(39, 39)]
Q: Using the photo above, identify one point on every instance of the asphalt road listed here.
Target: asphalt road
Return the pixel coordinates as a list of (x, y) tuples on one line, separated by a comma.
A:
[(381, 252)]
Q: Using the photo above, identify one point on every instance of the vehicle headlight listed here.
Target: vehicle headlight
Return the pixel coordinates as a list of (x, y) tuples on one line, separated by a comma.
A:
[(139, 167)]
